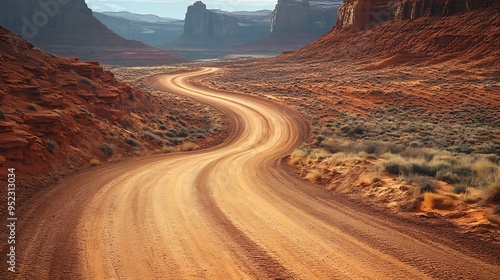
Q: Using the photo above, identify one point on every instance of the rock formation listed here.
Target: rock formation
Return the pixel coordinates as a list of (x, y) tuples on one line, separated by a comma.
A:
[(204, 23), (304, 17), (467, 38), (210, 32), (364, 14), (291, 16), (68, 28), (57, 113)]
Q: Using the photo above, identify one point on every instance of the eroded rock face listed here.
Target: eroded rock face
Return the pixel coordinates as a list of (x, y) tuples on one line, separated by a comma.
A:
[(201, 22), (364, 14), (291, 16), (53, 109), (68, 28), (313, 17)]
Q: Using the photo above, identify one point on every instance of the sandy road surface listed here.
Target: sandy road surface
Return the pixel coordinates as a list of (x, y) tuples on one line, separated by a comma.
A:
[(229, 212)]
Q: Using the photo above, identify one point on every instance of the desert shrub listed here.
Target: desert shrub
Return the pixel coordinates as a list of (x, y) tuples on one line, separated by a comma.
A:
[(319, 139), (32, 107), (149, 136), (107, 149), (51, 145), (182, 134), (330, 145), (462, 171), (95, 162), (85, 81), (159, 133), (2, 115), (492, 192), (175, 141), (314, 175), (200, 136), (170, 134), (437, 201), (496, 209), (408, 205), (426, 154), (167, 149), (187, 147), (132, 142), (299, 154), (397, 167), (427, 169), (448, 176), (372, 148), (460, 188), (423, 184)]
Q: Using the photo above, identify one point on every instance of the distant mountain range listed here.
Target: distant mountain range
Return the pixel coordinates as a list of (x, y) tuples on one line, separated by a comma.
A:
[(150, 29)]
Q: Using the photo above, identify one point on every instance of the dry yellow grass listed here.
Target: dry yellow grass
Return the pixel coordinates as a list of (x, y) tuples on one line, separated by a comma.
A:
[(95, 161), (437, 201), (314, 175)]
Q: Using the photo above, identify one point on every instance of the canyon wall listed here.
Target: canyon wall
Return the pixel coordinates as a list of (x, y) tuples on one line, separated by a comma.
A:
[(313, 17), (364, 14), (68, 28)]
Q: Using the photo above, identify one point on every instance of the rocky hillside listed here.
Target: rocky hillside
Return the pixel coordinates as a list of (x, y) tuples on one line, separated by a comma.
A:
[(58, 115), (68, 28), (465, 37), (364, 14)]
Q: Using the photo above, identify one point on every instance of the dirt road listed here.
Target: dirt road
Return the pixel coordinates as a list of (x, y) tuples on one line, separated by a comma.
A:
[(228, 212)]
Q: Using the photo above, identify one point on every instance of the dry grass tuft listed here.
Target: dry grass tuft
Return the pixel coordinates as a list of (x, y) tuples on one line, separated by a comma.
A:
[(437, 201), (95, 162), (314, 175)]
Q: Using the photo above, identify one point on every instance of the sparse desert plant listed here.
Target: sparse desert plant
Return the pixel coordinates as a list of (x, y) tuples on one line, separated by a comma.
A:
[(397, 166), (187, 147), (437, 201), (299, 154), (182, 134), (107, 149), (422, 184), (2, 115), (51, 145), (132, 142), (85, 81), (95, 161), (167, 149), (314, 175), (448, 177), (492, 192), (149, 136), (494, 215), (496, 210), (460, 188), (32, 107), (170, 134)]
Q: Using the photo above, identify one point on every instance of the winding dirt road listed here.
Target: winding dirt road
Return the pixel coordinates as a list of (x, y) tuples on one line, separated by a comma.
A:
[(228, 212)]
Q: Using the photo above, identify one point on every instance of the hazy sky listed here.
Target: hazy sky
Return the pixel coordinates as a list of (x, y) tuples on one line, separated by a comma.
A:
[(176, 8)]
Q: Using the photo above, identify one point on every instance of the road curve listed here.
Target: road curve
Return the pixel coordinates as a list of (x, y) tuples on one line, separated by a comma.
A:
[(228, 212)]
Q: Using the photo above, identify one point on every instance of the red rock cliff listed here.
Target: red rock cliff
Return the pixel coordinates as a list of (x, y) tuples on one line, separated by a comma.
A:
[(364, 14)]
